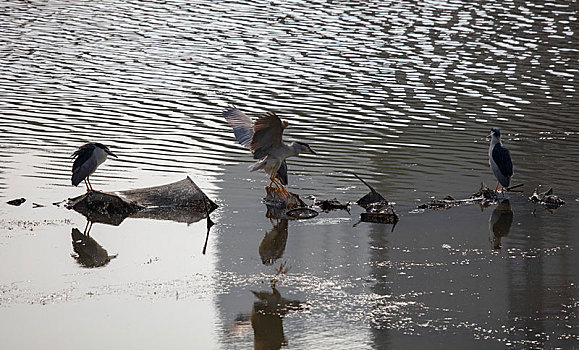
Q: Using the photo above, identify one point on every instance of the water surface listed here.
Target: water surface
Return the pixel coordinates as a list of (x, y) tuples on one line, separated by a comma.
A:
[(403, 93)]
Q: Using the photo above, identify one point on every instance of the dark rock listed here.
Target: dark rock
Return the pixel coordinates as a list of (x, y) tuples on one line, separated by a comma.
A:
[(275, 198), (16, 202), (180, 201)]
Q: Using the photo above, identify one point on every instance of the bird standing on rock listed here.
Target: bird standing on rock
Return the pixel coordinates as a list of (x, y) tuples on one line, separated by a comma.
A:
[(87, 159), (264, 140), (500, 160)]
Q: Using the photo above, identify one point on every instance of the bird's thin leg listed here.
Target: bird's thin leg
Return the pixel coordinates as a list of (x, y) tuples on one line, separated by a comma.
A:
[(86, 184), (89, 185), (87, 228), (497, 188), (282, 191), (272, 181)]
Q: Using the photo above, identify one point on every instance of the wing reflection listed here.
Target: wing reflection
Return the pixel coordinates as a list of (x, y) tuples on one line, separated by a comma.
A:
[(500, 222), (267, 318), (88, 253), (272, 246)]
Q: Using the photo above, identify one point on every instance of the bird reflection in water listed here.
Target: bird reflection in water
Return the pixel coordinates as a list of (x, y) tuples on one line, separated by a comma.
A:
[(500, 222), (273, 244), (267, 318), (87, 252)]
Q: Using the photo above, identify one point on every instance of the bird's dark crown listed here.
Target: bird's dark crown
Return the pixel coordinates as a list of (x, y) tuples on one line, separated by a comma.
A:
[(496, 132), (100, 145)]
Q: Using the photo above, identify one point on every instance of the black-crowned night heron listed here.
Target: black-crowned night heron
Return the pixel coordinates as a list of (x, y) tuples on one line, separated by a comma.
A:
[(264, 140), (88, 158), (500, 160)]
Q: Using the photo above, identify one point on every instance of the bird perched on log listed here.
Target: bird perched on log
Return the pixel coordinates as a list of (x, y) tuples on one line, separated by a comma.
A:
[(500, 160), (88, 157), (264, 140)]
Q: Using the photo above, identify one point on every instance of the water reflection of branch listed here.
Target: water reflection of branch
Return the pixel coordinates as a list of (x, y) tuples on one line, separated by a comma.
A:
[(88, 252), (210, 224), (500, 222)]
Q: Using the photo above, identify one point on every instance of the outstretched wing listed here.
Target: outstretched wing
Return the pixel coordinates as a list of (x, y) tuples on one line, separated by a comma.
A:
[(267, 133), (241, 124), (502, 158)]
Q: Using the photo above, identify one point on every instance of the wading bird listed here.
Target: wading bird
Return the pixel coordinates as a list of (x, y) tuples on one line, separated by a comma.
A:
[(264, 140), (500, 160), (88, 157)]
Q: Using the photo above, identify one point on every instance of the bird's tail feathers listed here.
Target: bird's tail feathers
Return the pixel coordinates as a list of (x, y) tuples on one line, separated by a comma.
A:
[(257, 165), (76, 178)]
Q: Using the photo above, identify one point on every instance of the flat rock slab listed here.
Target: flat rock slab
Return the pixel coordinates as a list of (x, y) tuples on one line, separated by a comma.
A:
[(181, 201)]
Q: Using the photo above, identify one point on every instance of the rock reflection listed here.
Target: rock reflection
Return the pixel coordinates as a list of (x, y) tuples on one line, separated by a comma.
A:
[(500, 222), (88, 253), (267, 318), (273, 244)]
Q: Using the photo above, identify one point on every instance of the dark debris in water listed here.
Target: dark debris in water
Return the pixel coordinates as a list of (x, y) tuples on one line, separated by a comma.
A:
[(380, 213), (16, 202), (302, 213), (547, 198), (483, 196), (327, 205), (370, 198), (378, 210), (484, 193)]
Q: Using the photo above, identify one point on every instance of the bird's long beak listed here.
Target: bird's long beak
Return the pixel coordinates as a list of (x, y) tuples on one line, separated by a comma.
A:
[(311, 150), (112, 154)]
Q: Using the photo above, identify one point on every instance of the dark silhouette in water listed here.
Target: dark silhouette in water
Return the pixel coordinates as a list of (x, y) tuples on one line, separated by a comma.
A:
[(267, 319), (88, 252), (500, 222), (273, 244)]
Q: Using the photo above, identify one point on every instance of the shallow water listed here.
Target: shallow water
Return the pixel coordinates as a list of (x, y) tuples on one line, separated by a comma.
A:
[(403, 93)]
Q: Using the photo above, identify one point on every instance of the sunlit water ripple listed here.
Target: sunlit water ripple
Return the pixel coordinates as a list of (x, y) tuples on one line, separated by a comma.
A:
[(402, 90)]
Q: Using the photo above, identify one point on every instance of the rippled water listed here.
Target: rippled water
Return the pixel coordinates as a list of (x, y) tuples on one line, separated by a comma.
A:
[(401, 92)]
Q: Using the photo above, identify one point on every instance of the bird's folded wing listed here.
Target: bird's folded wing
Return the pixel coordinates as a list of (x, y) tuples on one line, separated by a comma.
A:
[(241, 124), (502, 158)]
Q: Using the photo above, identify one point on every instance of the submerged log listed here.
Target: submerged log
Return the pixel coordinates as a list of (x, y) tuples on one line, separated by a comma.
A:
[(181, 201)]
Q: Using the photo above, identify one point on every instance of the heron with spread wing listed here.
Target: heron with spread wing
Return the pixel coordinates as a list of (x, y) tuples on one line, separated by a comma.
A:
[(264, 139)]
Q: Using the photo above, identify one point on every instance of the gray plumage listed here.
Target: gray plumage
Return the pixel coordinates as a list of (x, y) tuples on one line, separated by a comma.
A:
[(88, 157), (264, 139), (500, 159)]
